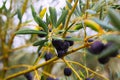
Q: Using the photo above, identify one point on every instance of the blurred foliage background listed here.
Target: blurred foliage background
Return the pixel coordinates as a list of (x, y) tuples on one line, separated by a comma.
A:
[(17, 52)]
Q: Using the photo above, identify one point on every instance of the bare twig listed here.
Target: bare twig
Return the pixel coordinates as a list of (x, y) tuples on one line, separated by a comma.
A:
[(72, 69), (69, 16), (43, 64)]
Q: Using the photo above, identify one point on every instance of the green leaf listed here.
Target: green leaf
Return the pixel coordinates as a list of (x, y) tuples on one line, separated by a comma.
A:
[(34, 13), (109, 50), (115, 18), (78, 11), (80, 6), (19, 15), (40, 9), (39, 42), (42, 24), (47, 19), (101, 13), (61, 31), (30, 31), (40, 47), (113, 38), (73, 39), (53, 15), (81, 74), (91, 11), (62, 17), (104, 25), (42, 77), (39, 20), (4, 6), (98, 5), (78, 26), (116, 6), (69, 5), (71, 25)]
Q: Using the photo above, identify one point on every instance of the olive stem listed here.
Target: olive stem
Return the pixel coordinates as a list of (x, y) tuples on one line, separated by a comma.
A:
[(43, 64), (72, 68)]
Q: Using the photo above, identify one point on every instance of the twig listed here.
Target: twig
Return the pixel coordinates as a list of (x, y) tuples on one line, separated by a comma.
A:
[(17, 66), (88, 69), (69, 16), (43, 64), (72, 69), (37, 75), (1, 57), (82, 66), (13, 35), (48, 74), (87, 73), (23, 46), (87, 6)]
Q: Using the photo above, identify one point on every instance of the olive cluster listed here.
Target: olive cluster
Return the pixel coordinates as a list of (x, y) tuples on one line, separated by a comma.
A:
[(62, 46), (97, 47)]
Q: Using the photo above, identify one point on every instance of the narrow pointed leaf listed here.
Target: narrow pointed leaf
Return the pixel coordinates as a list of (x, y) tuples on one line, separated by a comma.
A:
[(39, 20), (39, 48), (42, 24), (53, 15), (98, 5), (115, 18), (62, 17), (24, 7), (47, 19), (42, 12), (61, 31), (78, 10), (34, 13), (74, 39), (30, 31), (69, 5), (109, 50), (19, 15), (104, 25), (39, 42), (91, 11), (113, 38), (78, 26)]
